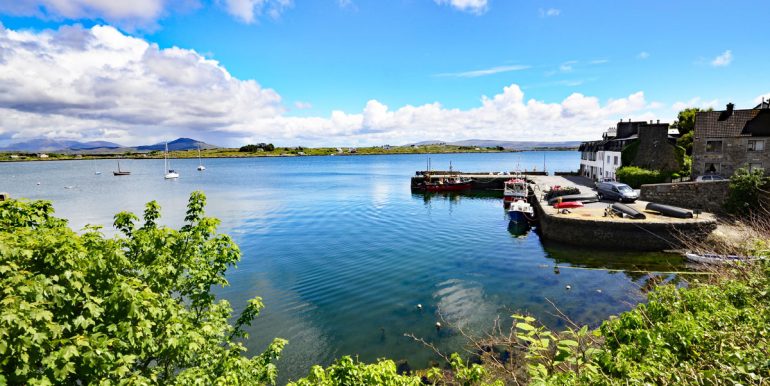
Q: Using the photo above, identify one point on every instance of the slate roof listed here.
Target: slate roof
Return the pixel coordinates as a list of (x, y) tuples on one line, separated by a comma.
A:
[(753, 122)]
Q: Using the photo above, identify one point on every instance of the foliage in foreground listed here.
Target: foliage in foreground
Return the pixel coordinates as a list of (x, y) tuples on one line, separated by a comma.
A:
[(137, 309), (82, 309)]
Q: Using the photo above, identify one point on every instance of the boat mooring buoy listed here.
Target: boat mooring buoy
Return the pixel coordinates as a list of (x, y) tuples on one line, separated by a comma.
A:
[(599, 291), (568, 287), (419, 307), (438, 325)]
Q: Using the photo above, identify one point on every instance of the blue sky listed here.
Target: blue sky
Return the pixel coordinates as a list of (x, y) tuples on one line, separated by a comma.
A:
[(327, 57)]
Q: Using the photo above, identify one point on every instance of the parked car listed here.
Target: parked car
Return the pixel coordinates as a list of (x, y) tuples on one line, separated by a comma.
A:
[(710, 177), (604, 179), (616, 191)]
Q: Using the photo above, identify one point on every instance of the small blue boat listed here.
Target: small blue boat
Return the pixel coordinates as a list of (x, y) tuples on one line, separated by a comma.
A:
[(520, 211)]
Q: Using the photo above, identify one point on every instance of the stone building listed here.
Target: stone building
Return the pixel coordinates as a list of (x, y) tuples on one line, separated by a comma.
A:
[(730, 139), (600, 159)]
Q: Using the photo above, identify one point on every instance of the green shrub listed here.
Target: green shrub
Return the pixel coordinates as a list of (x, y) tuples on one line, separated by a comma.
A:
[(744, 191), (685, 142), (635, 176), (81, 309)]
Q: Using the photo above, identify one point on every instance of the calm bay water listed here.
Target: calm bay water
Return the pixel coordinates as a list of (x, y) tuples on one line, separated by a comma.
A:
[(342, 251)]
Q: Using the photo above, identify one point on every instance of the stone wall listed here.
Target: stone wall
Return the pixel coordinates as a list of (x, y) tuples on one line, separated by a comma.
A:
[(708, 196), (655, 151), (620, 235)]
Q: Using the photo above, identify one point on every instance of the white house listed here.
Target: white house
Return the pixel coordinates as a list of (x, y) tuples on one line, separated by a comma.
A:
[(600, 159)]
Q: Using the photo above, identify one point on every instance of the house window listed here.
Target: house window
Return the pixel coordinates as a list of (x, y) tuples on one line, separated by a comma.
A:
[(711, 168), (757, 145), (756, 166), (713, 146), (608, 159), (616, 160)]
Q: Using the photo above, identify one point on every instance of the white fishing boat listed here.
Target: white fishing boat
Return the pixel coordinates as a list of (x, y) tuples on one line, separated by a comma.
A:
[(170, 173), (520, 211), (200, 162), (515, 189), (715, 259)]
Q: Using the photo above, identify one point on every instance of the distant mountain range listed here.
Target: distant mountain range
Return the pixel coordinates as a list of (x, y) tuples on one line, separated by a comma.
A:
[(177, 144), (34, 145), (67, 146), (512, 145)]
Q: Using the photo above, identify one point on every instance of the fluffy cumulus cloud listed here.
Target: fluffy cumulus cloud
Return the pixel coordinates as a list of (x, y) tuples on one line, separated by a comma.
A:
[(249, 11), (696, 102), (127, 14), (98, 83), (471, 6)]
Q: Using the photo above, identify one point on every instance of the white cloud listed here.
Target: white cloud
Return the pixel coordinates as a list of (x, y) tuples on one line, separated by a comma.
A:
[(346, 4), (723, 60), (476, 7), (763, 97), (300, 105), (249, 11), (567, 66), (695, 102), (643, 55), (98, 83), (484, 72), (550, 12), (127, 14)]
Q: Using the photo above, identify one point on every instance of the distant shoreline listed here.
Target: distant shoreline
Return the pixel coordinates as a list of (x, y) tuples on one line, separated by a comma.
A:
[(279, 152)]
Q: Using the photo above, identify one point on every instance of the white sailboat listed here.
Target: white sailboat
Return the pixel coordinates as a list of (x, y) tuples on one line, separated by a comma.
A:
[(170, 173), (200, 162)]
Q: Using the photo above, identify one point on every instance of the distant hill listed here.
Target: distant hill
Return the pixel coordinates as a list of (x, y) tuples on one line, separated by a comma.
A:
[(100, 147), (178, 144), (513, 145), (43, 144)]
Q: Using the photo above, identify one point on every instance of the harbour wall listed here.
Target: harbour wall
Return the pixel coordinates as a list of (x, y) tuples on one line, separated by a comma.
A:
[(620, 235), (708, 196)]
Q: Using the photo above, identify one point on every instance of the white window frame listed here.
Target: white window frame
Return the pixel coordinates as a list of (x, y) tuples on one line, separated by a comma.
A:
[(755, 142)]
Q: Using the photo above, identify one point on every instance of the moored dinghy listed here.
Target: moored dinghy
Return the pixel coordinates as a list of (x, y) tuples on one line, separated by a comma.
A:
[(715, 259)]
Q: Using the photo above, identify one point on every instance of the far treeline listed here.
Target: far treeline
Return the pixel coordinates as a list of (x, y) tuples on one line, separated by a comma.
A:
[(270, 150)]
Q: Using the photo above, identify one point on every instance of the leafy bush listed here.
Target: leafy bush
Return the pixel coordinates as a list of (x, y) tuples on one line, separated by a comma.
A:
[(635, 176), (685, 141), (85, 309), (346, 371), (744, 191), (628, 154)]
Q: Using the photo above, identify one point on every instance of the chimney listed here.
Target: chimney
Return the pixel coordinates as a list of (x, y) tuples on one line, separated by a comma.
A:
[(730, 108), (658, 121)]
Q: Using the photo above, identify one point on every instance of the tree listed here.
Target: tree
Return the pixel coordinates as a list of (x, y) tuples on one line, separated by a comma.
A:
[(685, 120), (135, 309)]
